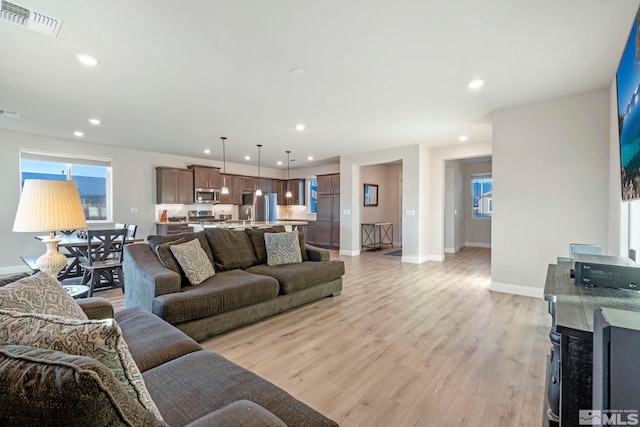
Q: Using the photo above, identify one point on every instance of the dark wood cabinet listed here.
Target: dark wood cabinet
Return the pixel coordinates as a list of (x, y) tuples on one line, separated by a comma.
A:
[(167, 228), (328, 220), (309, 231), (329, 184), (249, 184), (205, 177), (174, 185), (278, 187)]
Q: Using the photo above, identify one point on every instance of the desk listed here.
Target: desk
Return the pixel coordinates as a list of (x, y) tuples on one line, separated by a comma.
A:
[(375, 235), (76, 248), (570, 364)]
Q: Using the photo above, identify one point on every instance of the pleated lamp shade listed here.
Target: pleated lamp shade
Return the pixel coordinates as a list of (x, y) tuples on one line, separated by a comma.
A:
[(48, 205)]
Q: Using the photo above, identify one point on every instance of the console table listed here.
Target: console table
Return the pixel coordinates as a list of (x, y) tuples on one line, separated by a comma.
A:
[(570, 370), (376, 235)]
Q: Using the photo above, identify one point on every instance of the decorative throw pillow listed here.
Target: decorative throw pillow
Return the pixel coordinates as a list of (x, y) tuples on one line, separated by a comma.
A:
[(41, 294), (48, 387), (99, 339), (163, 251), (282, 248), (10, 279), (231, 249), (193, 260)]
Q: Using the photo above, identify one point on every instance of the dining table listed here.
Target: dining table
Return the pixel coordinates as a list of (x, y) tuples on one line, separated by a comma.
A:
[(75, 248)]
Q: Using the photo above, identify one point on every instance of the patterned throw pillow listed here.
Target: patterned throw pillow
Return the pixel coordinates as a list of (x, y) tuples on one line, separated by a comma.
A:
[(282, 248), (41, 294), (99, 339), (193, 260)]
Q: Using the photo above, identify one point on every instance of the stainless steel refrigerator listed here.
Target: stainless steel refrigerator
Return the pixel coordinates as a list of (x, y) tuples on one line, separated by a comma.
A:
[(267, 207)]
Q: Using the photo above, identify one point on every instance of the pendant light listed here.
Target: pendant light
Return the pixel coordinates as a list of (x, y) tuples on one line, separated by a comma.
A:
[(224, 189), (258, 190), (288, 194)]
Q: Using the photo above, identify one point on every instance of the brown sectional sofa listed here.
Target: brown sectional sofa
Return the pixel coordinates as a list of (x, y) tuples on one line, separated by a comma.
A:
[(190, 386), (243, 290)]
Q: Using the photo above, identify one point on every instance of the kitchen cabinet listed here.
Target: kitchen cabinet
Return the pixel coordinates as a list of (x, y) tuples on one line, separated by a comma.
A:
[(278, 187), (235, 183), (309, 231), (249, 184), (205, 177), (297, 192), (167, 228), (265, 184), (329, 184), (174, 185)]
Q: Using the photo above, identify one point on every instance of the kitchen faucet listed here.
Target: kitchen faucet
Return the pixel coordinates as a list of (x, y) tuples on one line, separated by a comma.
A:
[(249, 212)]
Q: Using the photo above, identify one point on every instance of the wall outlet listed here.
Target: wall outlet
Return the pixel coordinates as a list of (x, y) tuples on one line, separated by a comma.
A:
[(411, 212), (134, 210), (346, 212)]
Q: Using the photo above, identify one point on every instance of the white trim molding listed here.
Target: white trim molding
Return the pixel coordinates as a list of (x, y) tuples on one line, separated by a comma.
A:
[(509, 288), (349, 253), (478, 244)]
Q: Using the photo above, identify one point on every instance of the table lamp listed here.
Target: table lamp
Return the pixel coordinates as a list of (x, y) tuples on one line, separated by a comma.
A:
[(49, 205)]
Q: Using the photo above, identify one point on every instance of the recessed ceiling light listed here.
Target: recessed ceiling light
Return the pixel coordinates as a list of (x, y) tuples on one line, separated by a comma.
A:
[(207, 151), (463, 138), (296, 71), (247, 157), (279, 163), (300, 127), (78, 133), (310, 158), (87, 60), (94, 121), (476, 84)]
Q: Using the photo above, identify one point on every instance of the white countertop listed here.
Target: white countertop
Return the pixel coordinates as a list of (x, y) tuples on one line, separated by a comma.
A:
[(248, 224)]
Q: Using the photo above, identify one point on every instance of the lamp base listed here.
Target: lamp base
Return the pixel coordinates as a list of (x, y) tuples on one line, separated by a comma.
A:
[(52, 262)]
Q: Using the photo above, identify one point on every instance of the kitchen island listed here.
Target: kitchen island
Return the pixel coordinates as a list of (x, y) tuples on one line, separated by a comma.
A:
[(240, 225)]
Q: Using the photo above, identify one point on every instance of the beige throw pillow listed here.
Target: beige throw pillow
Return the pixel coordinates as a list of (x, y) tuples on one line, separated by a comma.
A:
[(193, 260), (41, 294), (282, 248), (98, 339)]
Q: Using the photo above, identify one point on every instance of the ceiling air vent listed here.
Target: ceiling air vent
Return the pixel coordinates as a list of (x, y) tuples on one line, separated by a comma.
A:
[(30, 19), (9, 114)]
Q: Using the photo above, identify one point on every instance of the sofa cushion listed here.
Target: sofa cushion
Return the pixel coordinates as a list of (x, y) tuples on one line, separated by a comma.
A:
[(48, 387), (42, 294), (10, 279), (100, 339), (164, 254), (157, 240), (193, 261), (226, 291), (257, 240), (295, 277), (193, 395), (151, 340), (282, 248), (231, 249), (242, 413)]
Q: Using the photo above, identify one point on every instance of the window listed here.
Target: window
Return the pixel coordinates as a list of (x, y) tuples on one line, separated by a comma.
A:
[(482, 196), (92, 176), (312, 202)]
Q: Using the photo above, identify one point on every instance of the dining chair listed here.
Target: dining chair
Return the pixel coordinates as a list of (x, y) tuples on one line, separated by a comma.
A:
[(103, 267), (131, 231)]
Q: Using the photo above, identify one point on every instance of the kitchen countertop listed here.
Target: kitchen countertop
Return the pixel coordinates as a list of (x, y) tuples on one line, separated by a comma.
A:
[(248, 224)]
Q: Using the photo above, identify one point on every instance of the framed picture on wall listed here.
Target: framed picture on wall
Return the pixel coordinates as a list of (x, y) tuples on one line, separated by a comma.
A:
[(371, 195)]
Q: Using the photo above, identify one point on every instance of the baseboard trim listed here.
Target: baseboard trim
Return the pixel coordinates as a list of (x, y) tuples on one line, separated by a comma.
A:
[(509, 288), (421, 260), (14, 269), (451, 250), (478, 244), (349, 253)]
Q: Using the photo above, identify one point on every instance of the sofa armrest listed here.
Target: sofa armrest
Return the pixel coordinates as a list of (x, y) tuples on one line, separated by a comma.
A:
[(317, 254), (96, 308), (146, 277), (240, 413)]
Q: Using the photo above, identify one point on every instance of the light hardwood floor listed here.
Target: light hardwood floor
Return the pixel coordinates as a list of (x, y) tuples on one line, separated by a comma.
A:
[(405, 345)]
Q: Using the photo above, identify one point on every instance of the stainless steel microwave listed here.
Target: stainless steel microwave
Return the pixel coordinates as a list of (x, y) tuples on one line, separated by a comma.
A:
[(207, 195)]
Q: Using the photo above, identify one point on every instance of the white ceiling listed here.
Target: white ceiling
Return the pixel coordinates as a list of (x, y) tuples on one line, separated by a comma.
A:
[(174, 76)]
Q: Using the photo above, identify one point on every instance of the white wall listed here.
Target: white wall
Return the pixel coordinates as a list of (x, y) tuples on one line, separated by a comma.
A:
[(550, 185), (477, 231), (133, 186)]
